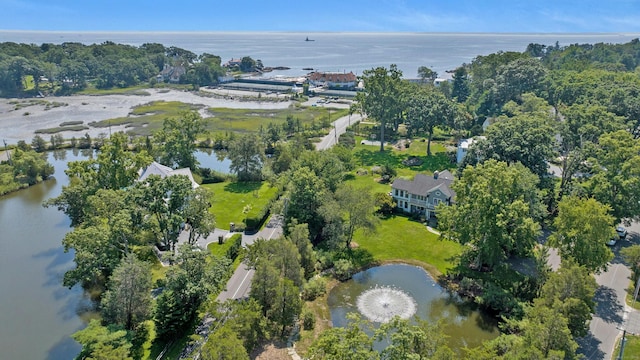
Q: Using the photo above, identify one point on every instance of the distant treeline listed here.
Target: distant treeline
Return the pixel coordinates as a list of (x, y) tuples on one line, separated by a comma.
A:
[(29, 69)]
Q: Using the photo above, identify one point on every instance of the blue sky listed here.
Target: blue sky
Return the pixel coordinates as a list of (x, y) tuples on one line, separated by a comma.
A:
[(327, 15)]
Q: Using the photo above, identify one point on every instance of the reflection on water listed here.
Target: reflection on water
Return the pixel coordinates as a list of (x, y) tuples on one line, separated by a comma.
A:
[(464, 325), (37, 313), (214, 160)]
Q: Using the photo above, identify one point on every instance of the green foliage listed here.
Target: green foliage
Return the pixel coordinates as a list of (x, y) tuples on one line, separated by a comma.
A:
[(308, 320), (343, 269), (247, 157), (582, 229), (101, 343), (128, 301), (314, 288), (496, 212), (30, 167), (177, 140), (379, 99), (358, 210), (224, 344), (235, 245), (631, 255), (384, 203)]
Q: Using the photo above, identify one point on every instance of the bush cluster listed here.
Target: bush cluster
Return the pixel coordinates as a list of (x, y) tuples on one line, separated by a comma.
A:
[(236, 245)]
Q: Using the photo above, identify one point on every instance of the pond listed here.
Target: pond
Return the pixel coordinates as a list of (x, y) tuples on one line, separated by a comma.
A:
[(214, 160), (408, 291)]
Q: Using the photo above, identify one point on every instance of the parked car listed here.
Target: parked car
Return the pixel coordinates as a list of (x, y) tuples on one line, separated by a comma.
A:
[(622, 232), (612, 241)]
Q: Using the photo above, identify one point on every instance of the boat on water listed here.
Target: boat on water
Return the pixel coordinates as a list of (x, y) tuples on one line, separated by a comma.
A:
[(307, 39)]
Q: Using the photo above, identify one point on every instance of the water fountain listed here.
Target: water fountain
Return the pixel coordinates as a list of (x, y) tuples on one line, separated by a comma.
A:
[(382, 303)]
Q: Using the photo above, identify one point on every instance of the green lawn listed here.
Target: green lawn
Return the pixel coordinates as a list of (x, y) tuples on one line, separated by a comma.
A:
[(399, 238), (230, 198), (631, 348), (367, 156)]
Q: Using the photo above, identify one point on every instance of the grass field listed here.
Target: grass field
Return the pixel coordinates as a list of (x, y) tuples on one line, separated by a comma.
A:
[(400, 239), (230, 198), (631, 348), (147, 118), (367, 156), (250, 120)]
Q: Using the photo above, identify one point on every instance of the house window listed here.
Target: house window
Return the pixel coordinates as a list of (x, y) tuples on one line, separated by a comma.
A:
[(436, 201), (396, 190)]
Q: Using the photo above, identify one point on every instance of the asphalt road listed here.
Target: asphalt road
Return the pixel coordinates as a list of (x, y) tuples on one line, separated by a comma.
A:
[(239, 284), (339, 128), (611, 312)]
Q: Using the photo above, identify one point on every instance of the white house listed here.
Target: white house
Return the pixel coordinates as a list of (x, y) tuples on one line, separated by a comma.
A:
[(423, 193), (333, 79), (464, 145), (163, 171)]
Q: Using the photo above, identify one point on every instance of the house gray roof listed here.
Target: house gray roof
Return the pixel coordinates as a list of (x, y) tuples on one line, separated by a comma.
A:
[(163, 171), (423, 184)]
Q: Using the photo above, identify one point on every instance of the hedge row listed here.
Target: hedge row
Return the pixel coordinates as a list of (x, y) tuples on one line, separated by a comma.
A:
[(236, 245)]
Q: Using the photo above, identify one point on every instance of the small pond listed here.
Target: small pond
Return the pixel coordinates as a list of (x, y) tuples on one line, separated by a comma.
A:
[(214, 160), (410, 292)]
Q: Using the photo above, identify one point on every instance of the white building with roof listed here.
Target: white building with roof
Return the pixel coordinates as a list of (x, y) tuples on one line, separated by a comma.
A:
[(156, 168), (422, 194)]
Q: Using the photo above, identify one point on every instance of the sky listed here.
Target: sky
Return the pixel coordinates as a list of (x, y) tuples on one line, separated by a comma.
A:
[(537, 16)]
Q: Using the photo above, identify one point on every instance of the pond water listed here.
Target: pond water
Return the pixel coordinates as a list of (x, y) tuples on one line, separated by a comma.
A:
[(376, 291), (214, 160), (37, 313)]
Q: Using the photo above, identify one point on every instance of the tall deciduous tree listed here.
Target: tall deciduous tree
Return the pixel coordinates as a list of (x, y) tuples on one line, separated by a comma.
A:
[(582, 229), (495, 211), (426, 109), (379, 100), (426, 74), (177, 140), (358, 206), (350, 342), (100, 343), (30, 167), (247, 157), (128, 300), (224, 344), (616, 174), (201, 221)]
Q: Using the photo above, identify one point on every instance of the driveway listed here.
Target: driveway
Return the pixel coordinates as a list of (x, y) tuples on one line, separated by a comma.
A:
[(339, 128)]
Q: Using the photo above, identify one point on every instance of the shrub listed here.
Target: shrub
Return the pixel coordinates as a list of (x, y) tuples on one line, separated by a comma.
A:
[(236, 245), (240, 227), (308, 320), (314, 288), (343, 269)]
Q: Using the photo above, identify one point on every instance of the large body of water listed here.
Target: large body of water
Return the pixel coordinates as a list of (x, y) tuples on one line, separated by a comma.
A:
[(37, 314), (332, 51)]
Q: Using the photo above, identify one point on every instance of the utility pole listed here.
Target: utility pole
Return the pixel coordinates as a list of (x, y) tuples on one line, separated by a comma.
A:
[(622, 343)]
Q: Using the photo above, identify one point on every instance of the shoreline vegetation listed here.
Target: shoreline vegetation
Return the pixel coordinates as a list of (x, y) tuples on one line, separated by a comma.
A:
[(339, 215)]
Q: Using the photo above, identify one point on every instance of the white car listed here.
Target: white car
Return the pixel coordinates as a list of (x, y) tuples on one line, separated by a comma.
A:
[(622, 232), (612, 241)]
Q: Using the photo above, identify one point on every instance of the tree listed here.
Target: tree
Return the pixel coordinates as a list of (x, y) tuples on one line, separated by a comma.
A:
[(247, 157), (128, 301), (427, 109), (631, 255), (166, 200), (359, 210), (616, 174), (524, 138), (224, 344), (426, 74), (379, 100), (247, 64), (518, 77), (341, 343), (95, 258), (245, 319), (496, 211), (582, 229), (177, 140), (407, 341), (264, 284), (571, 289), (460, 88), (38, 144), (306, 195), (101, 343), (30, 167), (201, 221), (287, 304), (299, 236), (188, 285)]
